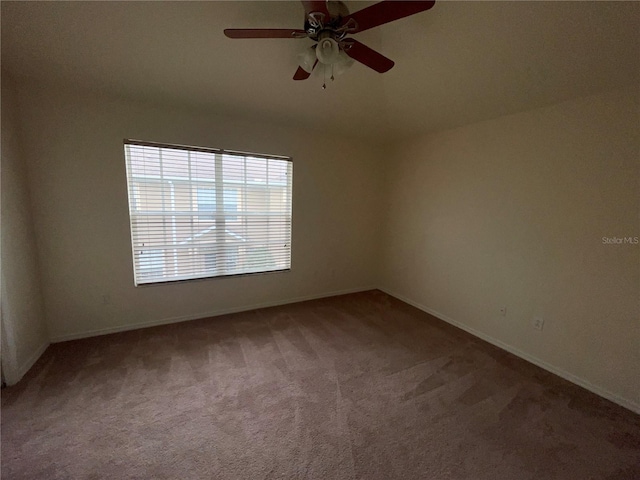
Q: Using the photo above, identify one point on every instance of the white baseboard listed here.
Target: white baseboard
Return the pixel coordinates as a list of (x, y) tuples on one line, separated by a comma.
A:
[(26, 366), (215, 313), (623, 402)]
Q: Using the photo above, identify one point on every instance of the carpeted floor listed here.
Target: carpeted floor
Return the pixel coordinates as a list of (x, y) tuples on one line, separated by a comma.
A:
[(359, 386)]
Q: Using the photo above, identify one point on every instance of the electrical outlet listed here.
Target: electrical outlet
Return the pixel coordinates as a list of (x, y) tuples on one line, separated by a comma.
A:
[(503, 311), (537, 323)]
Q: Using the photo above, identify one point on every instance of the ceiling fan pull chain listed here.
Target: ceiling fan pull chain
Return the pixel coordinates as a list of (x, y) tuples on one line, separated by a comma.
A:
[(324, 77)]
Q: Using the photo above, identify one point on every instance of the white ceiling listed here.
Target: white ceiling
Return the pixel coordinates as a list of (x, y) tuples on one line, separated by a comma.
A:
[(458, 63)]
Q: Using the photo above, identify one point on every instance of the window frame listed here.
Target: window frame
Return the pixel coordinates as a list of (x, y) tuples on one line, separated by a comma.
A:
[(132, 195)]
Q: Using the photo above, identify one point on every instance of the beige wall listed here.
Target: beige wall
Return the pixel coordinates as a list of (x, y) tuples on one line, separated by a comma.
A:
[(511, 212), (24, 335), (75, 154)]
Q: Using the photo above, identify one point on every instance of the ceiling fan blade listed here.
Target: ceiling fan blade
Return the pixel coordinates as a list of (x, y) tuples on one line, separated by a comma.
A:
[(369, 57), (315, 6), (302, 74), (385, 12), (264, 33)]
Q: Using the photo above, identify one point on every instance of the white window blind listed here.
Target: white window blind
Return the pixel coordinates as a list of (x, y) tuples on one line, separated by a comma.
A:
[(198, 212)]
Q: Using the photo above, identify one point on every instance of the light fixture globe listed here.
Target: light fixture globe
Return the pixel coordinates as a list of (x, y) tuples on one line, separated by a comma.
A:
[(343, 64), (327, 51), (307, 59)]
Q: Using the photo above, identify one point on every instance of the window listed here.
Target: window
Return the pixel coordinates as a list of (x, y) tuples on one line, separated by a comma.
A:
[(151, 262), (199, 212), (231, 259), (207, 201)]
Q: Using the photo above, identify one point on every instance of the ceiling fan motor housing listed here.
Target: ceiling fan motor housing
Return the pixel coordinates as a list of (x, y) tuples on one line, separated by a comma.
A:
[(317, 22)]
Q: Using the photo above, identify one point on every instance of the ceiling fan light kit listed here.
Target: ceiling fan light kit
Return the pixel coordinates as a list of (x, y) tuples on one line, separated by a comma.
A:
[(328, 23)]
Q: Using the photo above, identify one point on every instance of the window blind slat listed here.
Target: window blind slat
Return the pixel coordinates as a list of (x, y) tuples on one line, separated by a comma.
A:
[(197, 212)]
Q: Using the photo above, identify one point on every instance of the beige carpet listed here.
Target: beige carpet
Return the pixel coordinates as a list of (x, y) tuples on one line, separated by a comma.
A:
[(354, 387)]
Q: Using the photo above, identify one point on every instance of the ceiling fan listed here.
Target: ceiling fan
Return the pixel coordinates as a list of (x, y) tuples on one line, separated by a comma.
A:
[(328, 23)]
